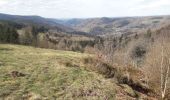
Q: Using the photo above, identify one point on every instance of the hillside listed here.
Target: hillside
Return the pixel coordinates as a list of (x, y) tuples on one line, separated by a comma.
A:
[(41, 32), (34, 73), (87, 63), (34, 20), (45, 75), (110, 26), (92, 26)]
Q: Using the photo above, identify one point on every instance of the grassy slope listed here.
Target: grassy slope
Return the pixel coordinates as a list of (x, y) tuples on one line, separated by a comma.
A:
[(49, 76)]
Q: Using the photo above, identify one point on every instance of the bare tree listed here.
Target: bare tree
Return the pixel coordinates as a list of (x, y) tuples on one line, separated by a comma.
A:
[(164, 75)]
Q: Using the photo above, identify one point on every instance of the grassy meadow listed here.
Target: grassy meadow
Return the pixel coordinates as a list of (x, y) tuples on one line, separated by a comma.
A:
[(28, 73)]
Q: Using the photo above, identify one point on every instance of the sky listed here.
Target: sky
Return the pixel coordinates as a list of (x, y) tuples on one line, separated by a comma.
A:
[(85, 8)]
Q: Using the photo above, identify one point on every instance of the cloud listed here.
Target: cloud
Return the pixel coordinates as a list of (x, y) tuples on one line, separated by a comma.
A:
[(155, 4), (84, 8), (3, 2), (151, 7)]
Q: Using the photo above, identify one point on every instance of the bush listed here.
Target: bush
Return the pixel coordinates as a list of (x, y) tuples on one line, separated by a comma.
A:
[(138, 51)]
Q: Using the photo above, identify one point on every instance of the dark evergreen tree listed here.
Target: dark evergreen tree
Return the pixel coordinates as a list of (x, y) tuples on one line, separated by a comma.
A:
[(8, 34)]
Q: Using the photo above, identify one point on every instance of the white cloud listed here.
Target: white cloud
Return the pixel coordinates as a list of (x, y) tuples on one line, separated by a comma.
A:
[(3, 2), (85, 8), (151, 7), (155, 4)]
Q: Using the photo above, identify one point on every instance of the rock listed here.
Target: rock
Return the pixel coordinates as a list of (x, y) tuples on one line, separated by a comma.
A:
[(33, 96), (135, 84), (129, 90)]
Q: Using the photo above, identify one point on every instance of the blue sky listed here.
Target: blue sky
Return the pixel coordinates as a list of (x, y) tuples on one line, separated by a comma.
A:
[(85, 8)]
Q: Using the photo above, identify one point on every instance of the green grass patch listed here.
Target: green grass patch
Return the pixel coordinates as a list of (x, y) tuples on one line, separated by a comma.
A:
[(48, 76)]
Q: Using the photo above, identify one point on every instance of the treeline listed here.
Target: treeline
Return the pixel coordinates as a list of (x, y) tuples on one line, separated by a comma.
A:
[(71, 42), (40, 36), (8, 34), (29, 35)]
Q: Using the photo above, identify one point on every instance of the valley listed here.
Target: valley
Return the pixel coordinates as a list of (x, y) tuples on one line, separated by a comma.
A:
[(124, 58)]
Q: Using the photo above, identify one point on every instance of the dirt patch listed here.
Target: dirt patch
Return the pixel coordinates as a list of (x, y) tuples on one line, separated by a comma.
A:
[(109, 71), (15, 74), (100, 67)]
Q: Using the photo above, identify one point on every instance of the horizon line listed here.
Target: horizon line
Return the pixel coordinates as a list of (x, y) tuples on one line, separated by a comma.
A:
[(137, 16)]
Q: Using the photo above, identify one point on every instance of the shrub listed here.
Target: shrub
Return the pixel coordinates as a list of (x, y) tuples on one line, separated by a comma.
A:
[(138, 51)]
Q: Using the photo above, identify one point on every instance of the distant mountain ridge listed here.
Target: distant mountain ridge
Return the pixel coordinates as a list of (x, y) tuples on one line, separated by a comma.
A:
[(34, 20), (107, 26), (94, 26), (18, 18)]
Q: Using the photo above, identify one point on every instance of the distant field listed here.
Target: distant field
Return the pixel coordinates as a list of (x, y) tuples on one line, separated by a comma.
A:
[(34, 73)]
